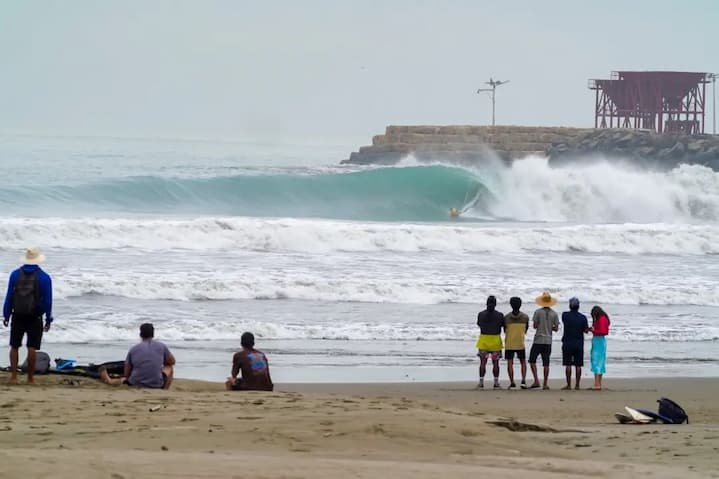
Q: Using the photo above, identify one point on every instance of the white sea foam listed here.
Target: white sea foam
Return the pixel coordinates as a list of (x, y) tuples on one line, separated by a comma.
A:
[(108, 327), (325, 236), (383, 288), (601, 192)]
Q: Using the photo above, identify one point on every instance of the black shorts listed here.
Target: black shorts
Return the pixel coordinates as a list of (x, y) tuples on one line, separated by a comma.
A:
[(573, 356), (509, 354), (544, 350), (22, 325)]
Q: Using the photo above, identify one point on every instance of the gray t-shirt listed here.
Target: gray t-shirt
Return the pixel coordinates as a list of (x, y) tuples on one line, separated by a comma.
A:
[(147, 360), (545, 319)]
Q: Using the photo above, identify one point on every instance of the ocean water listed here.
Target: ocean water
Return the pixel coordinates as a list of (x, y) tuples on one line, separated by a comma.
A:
[(348, 273)]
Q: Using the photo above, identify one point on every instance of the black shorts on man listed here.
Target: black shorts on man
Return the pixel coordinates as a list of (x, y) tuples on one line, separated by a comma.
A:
[(573, 356), (22, 325), (544, 350), (509, 354)]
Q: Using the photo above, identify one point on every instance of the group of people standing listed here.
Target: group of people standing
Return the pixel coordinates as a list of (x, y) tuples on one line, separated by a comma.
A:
[(545, 322)]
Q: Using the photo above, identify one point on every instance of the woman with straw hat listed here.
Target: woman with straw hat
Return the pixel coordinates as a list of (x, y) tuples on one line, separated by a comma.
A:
[(545, 322)]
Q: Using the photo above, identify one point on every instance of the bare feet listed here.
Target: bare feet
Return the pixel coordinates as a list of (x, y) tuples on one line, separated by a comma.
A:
[(567, 388), (229, 384), (31, 382), (104, 377), (12, 382)]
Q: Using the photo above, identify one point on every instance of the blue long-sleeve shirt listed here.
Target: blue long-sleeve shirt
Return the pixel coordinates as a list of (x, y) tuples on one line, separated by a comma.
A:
[(45, 284)]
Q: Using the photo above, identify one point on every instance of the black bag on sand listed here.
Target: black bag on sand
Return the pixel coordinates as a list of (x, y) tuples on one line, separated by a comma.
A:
[(42, 363), (673, 411)]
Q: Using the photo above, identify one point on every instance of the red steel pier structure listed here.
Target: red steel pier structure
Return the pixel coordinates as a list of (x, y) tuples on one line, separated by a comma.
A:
[(666, 102)]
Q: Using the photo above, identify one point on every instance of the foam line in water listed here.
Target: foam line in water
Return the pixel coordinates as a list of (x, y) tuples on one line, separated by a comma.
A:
[(326, 236)]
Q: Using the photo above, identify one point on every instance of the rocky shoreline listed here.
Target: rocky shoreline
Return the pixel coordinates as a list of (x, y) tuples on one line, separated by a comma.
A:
[(473, 145)]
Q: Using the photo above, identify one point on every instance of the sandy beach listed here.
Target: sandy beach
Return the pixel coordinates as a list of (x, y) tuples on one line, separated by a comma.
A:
[(68, 427)]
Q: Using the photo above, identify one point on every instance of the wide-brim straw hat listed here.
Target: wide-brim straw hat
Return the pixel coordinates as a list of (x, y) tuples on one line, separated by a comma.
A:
[(32, 256), (546, 299)]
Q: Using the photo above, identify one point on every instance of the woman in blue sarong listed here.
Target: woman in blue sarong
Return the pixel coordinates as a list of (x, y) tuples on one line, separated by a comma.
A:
[(598, 356)]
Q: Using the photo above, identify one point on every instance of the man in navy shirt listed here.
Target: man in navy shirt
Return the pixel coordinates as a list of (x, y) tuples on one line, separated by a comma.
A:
[(575, 326), (28, 298)]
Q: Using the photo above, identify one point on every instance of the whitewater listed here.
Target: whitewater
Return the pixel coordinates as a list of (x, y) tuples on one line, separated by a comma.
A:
[(349, 272)]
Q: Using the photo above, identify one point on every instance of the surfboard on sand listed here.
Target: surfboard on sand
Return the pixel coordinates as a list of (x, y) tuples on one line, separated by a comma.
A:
[(633, 417), (655, 416), (623, 418)]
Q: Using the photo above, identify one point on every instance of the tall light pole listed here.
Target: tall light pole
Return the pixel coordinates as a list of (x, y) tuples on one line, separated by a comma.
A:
[(713, 77), (492, 90)]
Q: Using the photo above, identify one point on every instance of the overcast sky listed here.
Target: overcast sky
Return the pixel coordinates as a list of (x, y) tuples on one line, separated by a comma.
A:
[(287, 69)]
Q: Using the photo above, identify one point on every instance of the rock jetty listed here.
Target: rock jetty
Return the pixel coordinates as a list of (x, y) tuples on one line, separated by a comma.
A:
[(647, 148), (466, 144)]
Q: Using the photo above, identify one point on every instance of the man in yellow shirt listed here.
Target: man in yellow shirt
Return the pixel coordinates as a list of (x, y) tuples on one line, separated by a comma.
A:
[(516, 324)]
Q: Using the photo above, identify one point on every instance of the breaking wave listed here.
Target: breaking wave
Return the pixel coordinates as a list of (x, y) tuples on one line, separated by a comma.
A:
[(529, 190)]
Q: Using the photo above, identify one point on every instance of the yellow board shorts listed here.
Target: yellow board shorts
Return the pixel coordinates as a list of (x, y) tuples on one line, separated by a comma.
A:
[(489, 342)]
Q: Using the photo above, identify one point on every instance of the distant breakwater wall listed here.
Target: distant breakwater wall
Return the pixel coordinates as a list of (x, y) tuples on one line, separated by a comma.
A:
[(460, 143), (466, 144)]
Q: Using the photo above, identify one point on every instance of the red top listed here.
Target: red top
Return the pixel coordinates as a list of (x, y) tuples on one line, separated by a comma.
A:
[(601, 326)]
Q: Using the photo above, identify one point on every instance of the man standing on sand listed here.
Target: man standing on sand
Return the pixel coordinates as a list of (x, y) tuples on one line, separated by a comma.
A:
[(516, 324), (575, 326), (28, 298), (253, 365), (489, 344), (545, 322), (149, 364)]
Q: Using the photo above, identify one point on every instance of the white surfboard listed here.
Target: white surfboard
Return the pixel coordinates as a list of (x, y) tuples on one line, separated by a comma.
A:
[(637, 416)]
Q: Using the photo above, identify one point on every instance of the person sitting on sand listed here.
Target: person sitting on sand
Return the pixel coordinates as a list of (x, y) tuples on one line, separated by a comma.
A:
[(516, 324), (489, 344), (149, 364), (253, 365), (575, 326), (28, 298), (545, 321), (598, 356)]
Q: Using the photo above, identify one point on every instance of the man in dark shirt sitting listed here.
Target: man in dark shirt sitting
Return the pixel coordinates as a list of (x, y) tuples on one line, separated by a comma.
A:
[(254, 368), (575, 326)]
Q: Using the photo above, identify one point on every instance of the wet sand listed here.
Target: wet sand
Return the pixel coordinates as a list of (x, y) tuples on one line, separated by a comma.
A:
[(68, 427)]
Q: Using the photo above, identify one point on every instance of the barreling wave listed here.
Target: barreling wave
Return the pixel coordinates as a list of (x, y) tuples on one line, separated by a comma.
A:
[(421, 193), (528, 190)]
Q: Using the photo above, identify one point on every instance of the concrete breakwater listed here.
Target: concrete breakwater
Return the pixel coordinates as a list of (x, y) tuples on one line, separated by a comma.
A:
[(465, 144), (460, 143)]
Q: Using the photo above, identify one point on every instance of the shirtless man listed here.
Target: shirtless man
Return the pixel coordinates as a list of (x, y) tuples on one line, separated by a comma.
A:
[(253, 365)]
